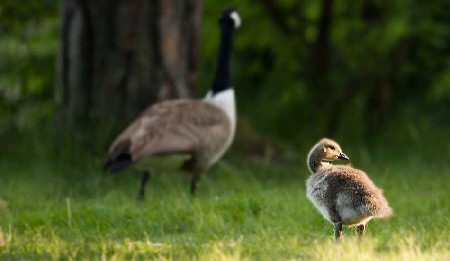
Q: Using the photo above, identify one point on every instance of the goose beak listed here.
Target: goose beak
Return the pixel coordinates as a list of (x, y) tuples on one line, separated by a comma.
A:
[(342, 156)]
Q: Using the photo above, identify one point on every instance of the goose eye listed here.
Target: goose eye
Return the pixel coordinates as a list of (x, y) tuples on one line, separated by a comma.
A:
[(332, 147)]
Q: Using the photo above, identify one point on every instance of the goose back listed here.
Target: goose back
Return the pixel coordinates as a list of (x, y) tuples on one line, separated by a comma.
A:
[(183, 126)]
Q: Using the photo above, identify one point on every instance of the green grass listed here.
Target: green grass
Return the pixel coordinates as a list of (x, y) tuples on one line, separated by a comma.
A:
[(244, 211)]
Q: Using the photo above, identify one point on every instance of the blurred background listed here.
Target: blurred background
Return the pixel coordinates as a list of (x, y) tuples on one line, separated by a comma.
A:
[(74, 73)]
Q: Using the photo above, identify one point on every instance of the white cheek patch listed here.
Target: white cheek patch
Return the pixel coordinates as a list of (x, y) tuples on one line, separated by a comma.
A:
[(237, 19)]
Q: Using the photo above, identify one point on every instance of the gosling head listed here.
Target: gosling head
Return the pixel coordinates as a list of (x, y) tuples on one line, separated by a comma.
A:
[(324, 150), (330, 150)]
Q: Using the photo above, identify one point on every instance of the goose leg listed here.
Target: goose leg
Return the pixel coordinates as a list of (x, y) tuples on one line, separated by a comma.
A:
[(194, 186), (144, 179), (194, 180), (360, 229), (337, 231)]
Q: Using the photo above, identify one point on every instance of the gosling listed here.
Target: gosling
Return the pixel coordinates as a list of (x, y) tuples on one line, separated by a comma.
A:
[(344, 195)]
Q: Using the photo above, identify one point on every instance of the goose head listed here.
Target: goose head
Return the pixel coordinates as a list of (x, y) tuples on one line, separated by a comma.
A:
[(230, 18)]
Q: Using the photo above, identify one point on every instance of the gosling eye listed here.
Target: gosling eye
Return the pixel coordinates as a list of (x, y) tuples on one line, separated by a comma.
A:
[(332, 147)]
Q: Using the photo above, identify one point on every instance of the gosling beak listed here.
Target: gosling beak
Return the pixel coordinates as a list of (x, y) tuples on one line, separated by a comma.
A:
[(342, 156)]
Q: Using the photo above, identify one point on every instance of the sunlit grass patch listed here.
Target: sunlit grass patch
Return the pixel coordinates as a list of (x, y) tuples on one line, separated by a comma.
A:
[(223, 251), (369, 248)]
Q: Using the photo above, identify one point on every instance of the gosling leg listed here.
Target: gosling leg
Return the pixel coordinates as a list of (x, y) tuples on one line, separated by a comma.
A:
[(144, 179), (337, 221), (337, 231), (360, 229)]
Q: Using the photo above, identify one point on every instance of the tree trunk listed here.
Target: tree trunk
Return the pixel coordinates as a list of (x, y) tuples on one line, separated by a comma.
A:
[(321, 54), (319, 81), (118, 57)]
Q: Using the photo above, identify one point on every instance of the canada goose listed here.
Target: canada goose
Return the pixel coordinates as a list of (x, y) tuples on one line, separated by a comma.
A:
[(198, 130), (344, 195)]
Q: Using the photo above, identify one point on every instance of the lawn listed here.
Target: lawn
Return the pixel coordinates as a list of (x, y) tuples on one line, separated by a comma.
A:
[(243, 211)]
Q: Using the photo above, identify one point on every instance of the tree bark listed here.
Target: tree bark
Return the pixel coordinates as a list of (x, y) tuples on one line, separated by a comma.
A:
[(321, 52), (117, 57), (319, 81)]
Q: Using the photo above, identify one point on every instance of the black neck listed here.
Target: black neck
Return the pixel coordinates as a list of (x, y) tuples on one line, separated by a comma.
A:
[(222, 77)]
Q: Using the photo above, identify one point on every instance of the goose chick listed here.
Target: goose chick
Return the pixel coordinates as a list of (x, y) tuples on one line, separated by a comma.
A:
[(344, 195)]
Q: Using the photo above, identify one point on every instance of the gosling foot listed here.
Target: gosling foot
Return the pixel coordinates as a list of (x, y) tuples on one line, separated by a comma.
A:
[(360, 229), (337, 231)]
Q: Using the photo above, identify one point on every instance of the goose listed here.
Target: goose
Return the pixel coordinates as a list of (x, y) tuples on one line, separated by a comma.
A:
[(344, 195), (199, 131)]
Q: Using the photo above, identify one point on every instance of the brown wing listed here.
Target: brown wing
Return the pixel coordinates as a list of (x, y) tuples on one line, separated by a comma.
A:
[(171, 127)]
